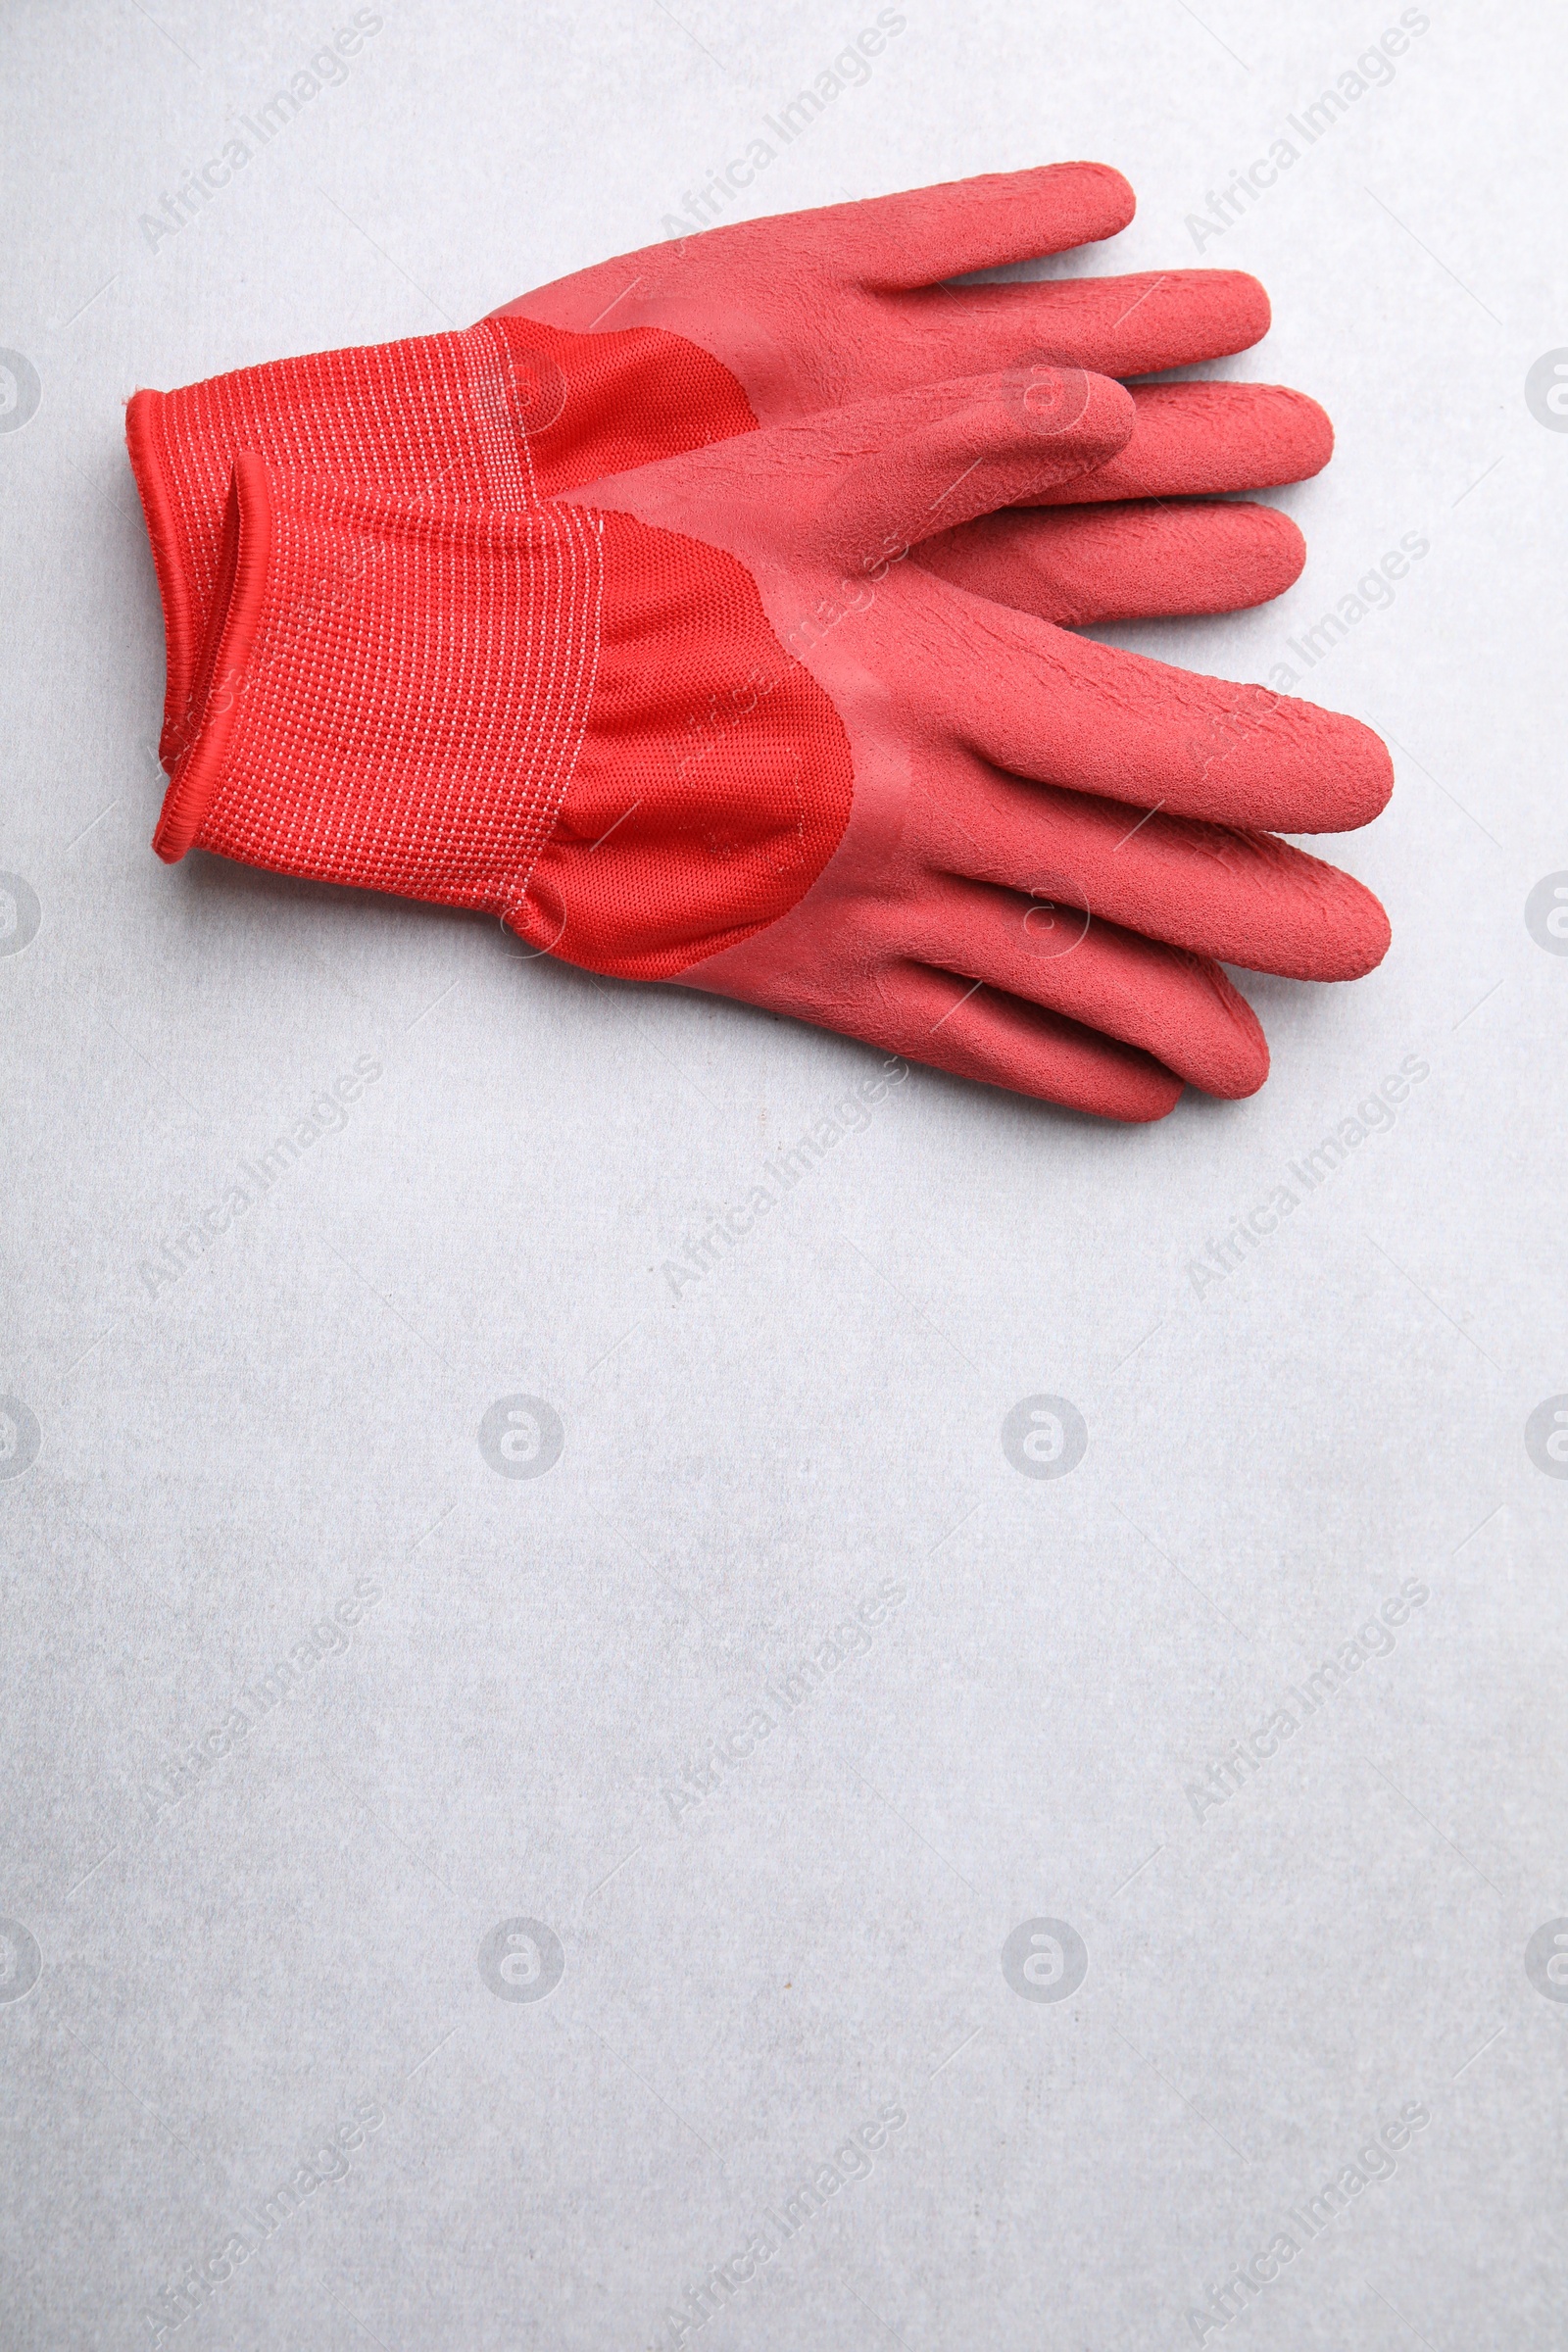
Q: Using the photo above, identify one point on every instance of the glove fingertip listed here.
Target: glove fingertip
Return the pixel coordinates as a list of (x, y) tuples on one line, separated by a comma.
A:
[(1245, 1065), (1246, 306), (1112, 203), (1109, 421), (1362, 933)]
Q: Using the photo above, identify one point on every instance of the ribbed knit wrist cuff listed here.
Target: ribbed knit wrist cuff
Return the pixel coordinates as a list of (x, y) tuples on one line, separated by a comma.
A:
[(507, 413), (390, 692)]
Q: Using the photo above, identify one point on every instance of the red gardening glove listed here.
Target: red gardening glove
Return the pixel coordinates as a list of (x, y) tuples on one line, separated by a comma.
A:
[(684, 344), (702, 721)]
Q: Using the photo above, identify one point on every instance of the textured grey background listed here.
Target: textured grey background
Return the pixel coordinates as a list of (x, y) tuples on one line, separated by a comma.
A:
[(243, 1944)]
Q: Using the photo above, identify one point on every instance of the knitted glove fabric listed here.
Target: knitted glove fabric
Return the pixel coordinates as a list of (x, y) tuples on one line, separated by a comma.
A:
[(684, 344), (701, 721)]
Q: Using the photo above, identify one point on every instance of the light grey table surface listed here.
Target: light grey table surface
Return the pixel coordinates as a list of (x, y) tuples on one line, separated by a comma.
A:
[(307, 1710)]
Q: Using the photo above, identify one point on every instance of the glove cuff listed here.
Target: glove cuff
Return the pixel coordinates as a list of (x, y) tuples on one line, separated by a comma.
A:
[(507, 413), (438, 414), (390, 693)]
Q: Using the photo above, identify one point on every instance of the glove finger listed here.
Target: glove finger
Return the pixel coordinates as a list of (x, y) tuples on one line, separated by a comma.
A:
[(1177, 1006), (1240, 897), (931, 1016), (1133, 325), (1040, 702), (1202, 440), (923, 236), (1143, 561), (903, 468)]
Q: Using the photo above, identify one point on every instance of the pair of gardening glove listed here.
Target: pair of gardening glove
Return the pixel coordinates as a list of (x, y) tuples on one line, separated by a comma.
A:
[(706, 616)]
